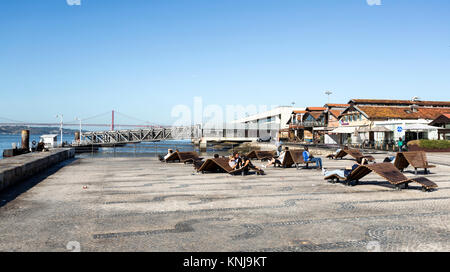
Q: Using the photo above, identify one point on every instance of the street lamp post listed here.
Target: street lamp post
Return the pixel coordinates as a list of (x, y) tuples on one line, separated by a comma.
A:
[(60, 116), (293, 114), (79, 119), (328, 93)]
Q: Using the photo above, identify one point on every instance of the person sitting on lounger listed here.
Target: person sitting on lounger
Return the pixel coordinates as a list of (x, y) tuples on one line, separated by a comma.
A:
[(247, 165), (278, 160), (308, 158), (232, 162), (235, 161)]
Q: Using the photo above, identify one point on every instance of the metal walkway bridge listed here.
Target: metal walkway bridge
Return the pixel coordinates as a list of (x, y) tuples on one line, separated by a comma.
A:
[(139, 135), (119, 137)]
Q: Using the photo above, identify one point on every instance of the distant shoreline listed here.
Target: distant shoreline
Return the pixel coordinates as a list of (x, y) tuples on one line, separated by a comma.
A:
[(17, 130), (18, 134)]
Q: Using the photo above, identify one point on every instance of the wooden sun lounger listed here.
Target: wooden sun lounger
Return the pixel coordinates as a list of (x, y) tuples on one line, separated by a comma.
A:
[(386, 170), (417, 159), (355, 153), (184, 157), (221, 165), (261, 155)]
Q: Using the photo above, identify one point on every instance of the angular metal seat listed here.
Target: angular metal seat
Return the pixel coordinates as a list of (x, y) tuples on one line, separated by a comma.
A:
[(261, 155), (221, 165), (386, 170), (417, 159), (184, 157), (355, 153)]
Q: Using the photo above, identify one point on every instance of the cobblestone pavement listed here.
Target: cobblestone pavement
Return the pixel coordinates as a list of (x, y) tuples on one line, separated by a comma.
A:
[(140, 204)]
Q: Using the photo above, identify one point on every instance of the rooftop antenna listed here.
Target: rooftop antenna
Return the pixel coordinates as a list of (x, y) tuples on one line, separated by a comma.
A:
[(415, 98), (328, 93)]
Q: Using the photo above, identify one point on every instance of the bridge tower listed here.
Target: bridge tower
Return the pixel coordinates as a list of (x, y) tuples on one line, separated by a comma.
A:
[(112, 121)]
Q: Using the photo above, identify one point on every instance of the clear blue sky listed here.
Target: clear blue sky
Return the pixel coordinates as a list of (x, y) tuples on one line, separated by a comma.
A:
[(142, 57)]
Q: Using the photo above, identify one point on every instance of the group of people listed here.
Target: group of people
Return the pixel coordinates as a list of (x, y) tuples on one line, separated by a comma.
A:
[(236, 161), (307, 158)]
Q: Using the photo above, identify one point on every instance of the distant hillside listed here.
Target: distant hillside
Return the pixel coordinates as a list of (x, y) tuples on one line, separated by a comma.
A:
[(14, 130)]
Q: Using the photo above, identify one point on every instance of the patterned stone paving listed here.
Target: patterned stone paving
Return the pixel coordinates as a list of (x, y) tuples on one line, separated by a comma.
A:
[(140, 204)]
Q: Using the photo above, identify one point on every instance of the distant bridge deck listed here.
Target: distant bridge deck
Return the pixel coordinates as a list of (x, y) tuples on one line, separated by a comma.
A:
[(174, 133)]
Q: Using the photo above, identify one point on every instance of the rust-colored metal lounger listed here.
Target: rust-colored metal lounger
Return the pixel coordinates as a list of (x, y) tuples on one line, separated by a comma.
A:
[(388, 172), (261, 155), (417, 159), (355, 153), (339, 155), (221, 165), (184, 157)]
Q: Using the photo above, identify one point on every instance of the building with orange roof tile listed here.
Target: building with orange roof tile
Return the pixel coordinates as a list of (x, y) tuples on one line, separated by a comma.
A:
[(381, 121), (312, 124)]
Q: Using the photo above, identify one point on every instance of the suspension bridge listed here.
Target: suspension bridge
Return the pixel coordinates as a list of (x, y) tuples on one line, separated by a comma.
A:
[(142, 131)]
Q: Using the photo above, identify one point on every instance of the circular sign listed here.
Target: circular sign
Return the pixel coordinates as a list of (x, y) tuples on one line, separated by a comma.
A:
[(399, 129)]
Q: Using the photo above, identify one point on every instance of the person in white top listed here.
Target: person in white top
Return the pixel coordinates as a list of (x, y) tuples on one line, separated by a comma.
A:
[(278, 160), (232, 162)]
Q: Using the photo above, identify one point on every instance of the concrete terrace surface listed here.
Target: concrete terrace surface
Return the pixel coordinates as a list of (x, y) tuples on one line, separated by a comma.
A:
[(141, 204)]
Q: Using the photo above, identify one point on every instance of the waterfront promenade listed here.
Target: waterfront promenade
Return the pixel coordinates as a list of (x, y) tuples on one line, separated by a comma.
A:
[(141, 204)]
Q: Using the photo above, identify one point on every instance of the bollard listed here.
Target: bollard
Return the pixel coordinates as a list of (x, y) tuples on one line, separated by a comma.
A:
[(77, 136), (26, 139)]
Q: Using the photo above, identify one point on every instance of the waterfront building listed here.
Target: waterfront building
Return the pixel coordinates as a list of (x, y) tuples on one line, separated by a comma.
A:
[(312, 124), (275, 120), (381, 121), (443, 122)]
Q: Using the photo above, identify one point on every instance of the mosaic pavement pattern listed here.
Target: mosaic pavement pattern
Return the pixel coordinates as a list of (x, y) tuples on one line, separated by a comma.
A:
[(140, 204)]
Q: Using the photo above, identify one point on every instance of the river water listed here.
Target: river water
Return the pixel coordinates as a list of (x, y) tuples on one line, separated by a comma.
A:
[(6, 141), (130, 150)]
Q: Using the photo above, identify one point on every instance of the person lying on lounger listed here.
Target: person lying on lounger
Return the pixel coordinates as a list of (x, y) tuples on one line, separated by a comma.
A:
[(169, 152), (342, 173), (389, 159), (278, 160), (336, 152)]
